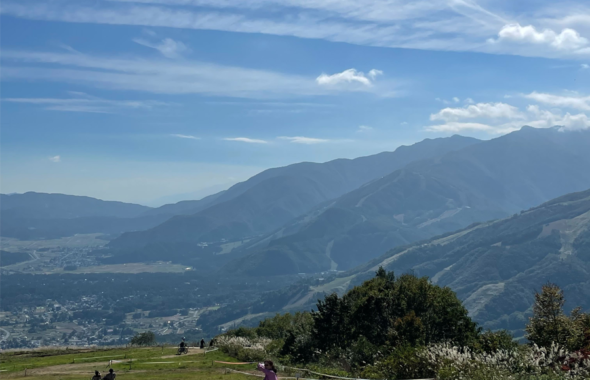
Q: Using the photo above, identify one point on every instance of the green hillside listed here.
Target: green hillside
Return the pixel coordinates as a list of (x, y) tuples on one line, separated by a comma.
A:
[(128, 363), (495, 267)]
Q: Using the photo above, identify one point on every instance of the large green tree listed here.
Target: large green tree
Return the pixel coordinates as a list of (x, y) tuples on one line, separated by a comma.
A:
[(392, 311)]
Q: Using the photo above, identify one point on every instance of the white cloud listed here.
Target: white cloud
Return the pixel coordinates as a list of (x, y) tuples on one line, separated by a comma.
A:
[(87, 103), (190, 137), (534, 117), (348, 76), (567, 39), (575, 122), (168, 47), (456, 99), (546, 119), (364, 128), (303, 140), (459, 127), (479, 110), (404, 123), (585, 66), (55, 159), (374, 73), (246, 140), (468, 101), (575, 102)]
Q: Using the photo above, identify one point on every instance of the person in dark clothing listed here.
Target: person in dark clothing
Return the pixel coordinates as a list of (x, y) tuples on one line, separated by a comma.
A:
[(110, 376), (211, 343), (182, 347), (96, 376), (202, 343)]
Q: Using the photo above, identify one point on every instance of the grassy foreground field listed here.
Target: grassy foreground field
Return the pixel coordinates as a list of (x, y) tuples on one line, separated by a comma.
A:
[(129, 363)]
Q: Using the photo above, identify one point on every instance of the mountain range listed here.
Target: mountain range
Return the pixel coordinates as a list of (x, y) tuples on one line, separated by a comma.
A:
[(45, 216), (488, 180), (495, 267), (274, 197)]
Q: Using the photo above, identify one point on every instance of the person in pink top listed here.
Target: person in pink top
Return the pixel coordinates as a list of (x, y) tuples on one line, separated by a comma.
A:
[(268, 367)]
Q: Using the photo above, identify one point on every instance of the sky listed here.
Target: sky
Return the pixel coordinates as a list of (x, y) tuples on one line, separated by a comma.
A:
[(154, 101)]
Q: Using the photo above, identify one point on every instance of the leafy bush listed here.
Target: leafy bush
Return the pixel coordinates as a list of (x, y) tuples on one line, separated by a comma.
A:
[(494, 341), (147, 338)]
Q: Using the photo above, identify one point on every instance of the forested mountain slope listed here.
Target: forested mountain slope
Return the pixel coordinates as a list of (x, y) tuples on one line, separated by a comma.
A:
[(490, 180), (495, 267)]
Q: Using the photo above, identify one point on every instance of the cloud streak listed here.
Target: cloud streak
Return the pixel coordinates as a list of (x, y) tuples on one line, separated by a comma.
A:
[(457, 25), (87, 103), (303, 140), (189, 137), (246, 140), (162, 76), (167, 47)]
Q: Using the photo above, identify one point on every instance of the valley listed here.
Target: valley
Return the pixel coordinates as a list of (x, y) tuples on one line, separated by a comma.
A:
[(443, 208)]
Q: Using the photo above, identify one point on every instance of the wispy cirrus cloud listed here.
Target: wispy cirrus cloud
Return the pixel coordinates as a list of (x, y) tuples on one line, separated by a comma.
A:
[(87, 103), (188, 137), (167, 47), (161, 76), (246, 140), (55, 159), (458, 25), (303, 140)]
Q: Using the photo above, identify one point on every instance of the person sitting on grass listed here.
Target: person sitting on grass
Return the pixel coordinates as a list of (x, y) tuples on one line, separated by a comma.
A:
[(268, 367), (96, 376), (110, 376)]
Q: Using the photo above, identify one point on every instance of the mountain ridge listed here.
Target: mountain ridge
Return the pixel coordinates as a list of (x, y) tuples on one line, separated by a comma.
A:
[(486, 181), (277, 195)]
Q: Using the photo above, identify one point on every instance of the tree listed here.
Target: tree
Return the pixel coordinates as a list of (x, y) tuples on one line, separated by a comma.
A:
[(550, 324), (147, 338), (385, 313)]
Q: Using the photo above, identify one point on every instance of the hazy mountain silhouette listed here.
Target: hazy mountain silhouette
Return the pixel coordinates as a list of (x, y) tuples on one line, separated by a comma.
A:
[(275, 196), (39, 215), (489, 180)]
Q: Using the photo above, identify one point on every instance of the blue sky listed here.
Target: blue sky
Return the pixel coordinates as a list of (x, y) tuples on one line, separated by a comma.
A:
[(158, 100)]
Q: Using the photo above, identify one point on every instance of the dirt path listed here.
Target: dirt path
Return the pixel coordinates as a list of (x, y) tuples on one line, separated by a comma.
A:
[(191, 351)]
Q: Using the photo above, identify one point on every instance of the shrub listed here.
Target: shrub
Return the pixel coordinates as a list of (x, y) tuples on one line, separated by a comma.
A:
[(147, 338)]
